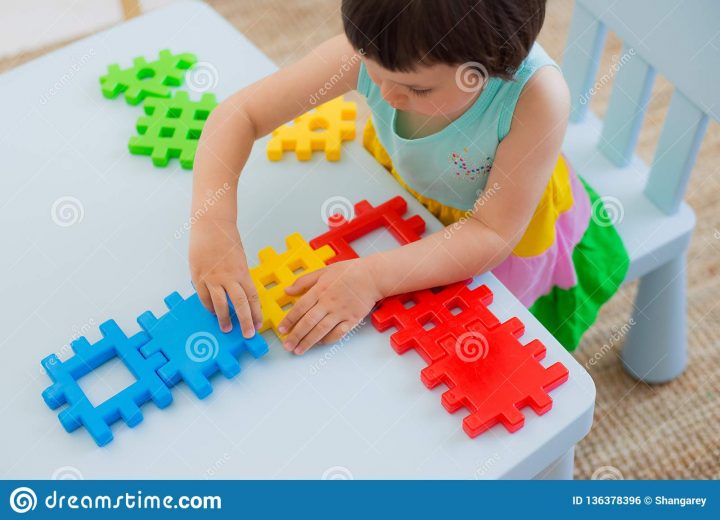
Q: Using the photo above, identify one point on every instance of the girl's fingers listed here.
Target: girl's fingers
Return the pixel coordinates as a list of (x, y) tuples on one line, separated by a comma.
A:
[(303, 283), (320, 330), (242, 309), (336, 334), (310, 318), (219, 301), (254, 301), (204, 296), (297, 311)]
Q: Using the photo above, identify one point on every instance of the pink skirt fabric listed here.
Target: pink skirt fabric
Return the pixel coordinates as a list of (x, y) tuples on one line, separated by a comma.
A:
[(530, 277)]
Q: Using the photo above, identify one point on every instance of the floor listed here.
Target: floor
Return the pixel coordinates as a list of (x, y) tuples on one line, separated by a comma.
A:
[(643, 432)]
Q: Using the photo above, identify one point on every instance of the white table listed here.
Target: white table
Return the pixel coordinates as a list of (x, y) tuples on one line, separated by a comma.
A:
[(357, 410)]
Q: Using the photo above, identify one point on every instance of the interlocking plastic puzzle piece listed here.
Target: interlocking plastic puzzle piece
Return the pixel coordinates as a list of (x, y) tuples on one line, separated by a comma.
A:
[(172, 128), (324, 128), (125, 404), (147, 79), (422, 318), (367, 219), (486, 369), (276, 271), (189, 336)]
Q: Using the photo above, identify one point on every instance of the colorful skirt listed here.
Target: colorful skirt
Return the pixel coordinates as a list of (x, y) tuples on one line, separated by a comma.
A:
[(570, 260)]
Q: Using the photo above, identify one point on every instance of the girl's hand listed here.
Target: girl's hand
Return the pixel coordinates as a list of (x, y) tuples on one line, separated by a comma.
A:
[(336, 298), (219, 271)]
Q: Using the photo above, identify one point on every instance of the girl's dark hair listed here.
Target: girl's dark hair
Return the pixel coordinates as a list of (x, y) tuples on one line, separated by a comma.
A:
[(402, 34)]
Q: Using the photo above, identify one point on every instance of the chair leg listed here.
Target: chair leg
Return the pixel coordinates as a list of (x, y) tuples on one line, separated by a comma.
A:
[(561, 469), (655, 349)]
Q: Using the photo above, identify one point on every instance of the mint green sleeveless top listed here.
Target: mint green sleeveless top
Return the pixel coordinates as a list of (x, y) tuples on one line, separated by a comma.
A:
[(452, 165)]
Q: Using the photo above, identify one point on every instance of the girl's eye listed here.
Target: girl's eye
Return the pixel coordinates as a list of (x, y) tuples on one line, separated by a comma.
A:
[(421, 93)]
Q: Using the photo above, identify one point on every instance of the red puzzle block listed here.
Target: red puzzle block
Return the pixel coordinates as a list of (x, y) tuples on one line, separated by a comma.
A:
[(389, 214), (422, 317), (486, 369)]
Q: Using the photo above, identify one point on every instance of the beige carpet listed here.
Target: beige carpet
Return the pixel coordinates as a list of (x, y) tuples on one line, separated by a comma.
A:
[(662, 432)]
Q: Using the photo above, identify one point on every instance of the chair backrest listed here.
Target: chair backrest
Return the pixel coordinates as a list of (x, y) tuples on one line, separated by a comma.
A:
[(679, 39)]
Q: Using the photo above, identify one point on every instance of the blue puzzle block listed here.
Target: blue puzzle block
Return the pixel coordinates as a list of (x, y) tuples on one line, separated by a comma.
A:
[(124, 405), (190, 338)]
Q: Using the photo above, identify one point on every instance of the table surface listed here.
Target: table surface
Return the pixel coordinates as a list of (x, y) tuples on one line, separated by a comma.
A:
[(355, 410)]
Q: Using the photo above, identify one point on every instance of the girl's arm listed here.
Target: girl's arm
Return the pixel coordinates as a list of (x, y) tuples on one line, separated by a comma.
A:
[(523, 164), (217, 260), (342, 294)]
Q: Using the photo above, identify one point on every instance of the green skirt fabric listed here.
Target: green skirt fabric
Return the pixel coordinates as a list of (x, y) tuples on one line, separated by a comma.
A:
[(601, 263)]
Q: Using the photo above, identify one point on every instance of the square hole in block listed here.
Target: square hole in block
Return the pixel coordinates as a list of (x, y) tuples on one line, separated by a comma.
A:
[(297, 267), (456, 306), (201, 115), (285, 302), (409, 303), (269, 282), (145, 74), (109, 379), (194, 134), (174, 113), (428, 322), (167, 131), (318, 124)]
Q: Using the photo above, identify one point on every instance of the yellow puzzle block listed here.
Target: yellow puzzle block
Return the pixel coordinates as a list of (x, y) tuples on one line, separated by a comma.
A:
[(324, 128), (275, 272)]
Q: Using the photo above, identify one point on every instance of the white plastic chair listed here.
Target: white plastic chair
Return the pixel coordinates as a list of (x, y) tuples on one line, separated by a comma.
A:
[(679, 39)]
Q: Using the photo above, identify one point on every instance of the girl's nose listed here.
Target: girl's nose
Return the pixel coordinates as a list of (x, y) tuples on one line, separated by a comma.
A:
[(391, 94)]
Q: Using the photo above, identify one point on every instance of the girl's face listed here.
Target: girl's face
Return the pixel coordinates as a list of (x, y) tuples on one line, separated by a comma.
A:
[(433, 90)]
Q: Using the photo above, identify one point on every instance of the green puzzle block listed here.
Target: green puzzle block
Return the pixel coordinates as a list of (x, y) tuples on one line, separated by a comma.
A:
[(147, 79), (171, 128)]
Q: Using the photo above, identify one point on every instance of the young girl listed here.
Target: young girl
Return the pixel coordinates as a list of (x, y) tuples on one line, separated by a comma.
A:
[(468, 115)]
